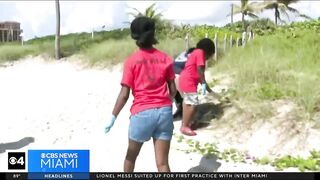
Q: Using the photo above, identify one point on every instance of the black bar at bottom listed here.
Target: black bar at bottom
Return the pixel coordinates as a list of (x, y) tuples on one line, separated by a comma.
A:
[(15, 176), (214, 175)]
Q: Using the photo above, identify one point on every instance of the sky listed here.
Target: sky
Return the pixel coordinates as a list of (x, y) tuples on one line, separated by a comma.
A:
[(37, 18)]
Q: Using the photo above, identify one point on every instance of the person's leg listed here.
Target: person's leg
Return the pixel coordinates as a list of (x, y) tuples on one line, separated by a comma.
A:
[(190, 101), (141, 128), (187, 115), (162, 137), (132, 154), (161, 148), (188, 111)]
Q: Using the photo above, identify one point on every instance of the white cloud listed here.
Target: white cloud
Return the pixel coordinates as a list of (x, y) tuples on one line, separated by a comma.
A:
[(34, 13), (191, 10), (310, 8), (37, 18), (86, 16)]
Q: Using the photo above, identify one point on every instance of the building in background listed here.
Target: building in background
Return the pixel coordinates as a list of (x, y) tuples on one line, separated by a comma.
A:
[(10, 31)]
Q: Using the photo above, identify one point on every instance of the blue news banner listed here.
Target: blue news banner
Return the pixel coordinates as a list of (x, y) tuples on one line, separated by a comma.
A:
[(75, 164), (58, 164)]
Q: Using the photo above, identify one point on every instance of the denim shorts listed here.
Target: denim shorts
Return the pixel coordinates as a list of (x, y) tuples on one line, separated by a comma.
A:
[(155, 122), (190, 98)]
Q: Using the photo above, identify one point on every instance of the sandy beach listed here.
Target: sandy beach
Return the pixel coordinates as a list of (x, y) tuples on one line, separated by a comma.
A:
[(60, 105)]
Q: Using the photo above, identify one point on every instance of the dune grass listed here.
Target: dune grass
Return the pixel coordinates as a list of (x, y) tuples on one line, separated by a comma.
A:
[(172, 47), (14, 51), (107, 47), (70, 44), (280, 66), (111, 52)]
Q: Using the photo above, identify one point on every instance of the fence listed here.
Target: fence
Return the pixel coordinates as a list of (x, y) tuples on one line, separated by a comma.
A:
[(227, 42)]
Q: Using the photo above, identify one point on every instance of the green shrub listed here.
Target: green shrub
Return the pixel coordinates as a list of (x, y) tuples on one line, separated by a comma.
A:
[(13, 51), (277, 66), (311, 163)]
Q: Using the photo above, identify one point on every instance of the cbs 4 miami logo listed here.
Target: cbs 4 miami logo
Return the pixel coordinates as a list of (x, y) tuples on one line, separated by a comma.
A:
[(16, 160)]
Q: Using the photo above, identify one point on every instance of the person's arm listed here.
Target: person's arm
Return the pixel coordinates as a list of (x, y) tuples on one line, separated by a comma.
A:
[(121, 100), (123, 96), (201, 70), (170, 76), (172, 88)]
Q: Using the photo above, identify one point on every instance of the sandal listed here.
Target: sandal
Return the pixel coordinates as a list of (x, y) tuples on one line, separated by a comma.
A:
[(187, 131)]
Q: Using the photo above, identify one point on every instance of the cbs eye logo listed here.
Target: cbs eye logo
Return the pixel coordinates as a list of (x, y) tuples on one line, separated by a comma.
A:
[(16, 160)]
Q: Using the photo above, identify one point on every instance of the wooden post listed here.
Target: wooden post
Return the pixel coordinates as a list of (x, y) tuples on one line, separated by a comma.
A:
[(57, 38), (206, 35), (21, 35), (92, 34), (15, 32), (231, 14), (231, 43), (11, 32), (238, 40), (216, 46), (7, 38), (12, 35), (225, 43), (8, 35), (5, 32), (249, 38), (244, 38)]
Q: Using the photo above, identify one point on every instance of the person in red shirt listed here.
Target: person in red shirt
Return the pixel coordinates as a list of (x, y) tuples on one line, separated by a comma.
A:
[(191, 75), (148, 72)]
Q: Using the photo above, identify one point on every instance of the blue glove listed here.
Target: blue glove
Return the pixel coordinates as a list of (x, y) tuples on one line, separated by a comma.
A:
[(110, 123), (204, 88)]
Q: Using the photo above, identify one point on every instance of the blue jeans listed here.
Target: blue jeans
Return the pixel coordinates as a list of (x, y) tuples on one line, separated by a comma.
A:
[(155, 122)]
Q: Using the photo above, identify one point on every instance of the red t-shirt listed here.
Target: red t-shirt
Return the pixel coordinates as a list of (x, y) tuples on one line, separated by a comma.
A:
[(189, 77), (146, 72)]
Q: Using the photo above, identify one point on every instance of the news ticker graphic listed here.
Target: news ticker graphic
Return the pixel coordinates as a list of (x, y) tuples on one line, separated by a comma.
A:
[(51, 164), (16, 160), (75, 164), (224, 176), (60, 164)]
